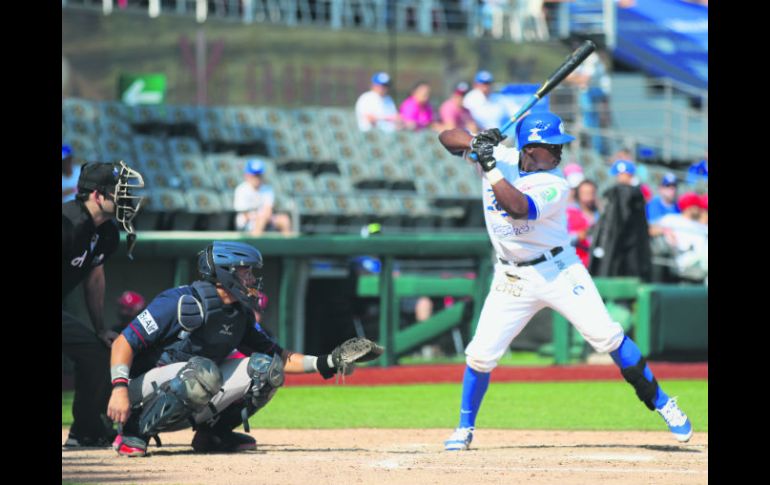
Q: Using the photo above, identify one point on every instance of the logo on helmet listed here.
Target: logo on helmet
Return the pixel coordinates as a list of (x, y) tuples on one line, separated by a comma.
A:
[(534, 135)]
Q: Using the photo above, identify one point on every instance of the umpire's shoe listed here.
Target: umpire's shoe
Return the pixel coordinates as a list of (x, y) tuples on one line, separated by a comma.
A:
[(207, 440), (676, 420), (74, 441), (460, 440)]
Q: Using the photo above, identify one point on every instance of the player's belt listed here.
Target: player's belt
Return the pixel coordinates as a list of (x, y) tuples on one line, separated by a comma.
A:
[(531, 262)]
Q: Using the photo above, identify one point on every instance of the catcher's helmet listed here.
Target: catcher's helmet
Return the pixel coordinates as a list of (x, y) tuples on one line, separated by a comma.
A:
[(541, 128), (220, 263)]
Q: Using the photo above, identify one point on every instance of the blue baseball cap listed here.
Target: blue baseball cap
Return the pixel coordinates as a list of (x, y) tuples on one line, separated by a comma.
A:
[(66, 151), (381, 78), (255, 166), (622, 166), (484, 77), (669, 179), (698, 171)]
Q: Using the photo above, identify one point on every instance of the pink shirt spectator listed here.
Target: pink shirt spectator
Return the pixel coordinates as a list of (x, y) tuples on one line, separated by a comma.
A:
[(454, 115), (412, 111)]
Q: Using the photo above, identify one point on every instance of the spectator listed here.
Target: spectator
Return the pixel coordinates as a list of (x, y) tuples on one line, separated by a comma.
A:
[(416, 110), (688, 237), (621, 243), (69, 175), (486, 113), (704, 216), (593, 83), (375, 108), (574, 175), (454, 114), (582, 215), (698, 172), (665, 202), (254, 202), (130, 304)]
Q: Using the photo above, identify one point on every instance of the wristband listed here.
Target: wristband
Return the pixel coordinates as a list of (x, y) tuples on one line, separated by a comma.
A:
[(494, 176), (325, 366), (309, 363), (119, 371), (119, 383)]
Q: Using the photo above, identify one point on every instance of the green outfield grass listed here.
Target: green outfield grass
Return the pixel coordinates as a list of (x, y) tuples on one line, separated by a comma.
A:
[(519, 358), (564, 406)]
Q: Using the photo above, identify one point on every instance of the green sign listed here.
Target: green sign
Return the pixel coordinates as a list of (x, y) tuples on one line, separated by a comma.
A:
[(135, 89)]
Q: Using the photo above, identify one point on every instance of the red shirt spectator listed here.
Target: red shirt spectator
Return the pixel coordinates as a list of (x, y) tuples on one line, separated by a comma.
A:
[(453, 114), (581, 217)]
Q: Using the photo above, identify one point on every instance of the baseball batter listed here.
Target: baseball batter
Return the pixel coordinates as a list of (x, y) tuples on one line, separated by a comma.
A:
[(525, 201)]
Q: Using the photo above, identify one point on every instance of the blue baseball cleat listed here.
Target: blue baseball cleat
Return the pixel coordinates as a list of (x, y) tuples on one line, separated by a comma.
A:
[(676, 420), (460, 440)]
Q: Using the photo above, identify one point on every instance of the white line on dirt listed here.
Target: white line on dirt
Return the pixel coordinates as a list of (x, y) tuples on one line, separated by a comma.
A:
[(613, 457)]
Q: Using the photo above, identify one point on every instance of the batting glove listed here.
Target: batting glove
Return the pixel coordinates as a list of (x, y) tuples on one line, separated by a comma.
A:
[(484, 156), (492, 135)]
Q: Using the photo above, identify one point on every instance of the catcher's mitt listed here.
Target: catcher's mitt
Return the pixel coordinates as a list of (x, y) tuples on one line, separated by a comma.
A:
[(357, 349)]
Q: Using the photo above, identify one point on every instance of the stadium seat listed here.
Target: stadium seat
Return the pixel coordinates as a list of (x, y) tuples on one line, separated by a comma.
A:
[(226, 181), (154, 164), (113, 148), (337, 118), (83, 148), (198, 180), (149, 146), (81, 127), (432, 188), (75, 109), (165, 179), (179, 147), (241, 116), (148, 114), (113, 126), (296, 183), (357, 171), (191, 164), (182, 114), (114, 110), (328, 183), (160, 208)]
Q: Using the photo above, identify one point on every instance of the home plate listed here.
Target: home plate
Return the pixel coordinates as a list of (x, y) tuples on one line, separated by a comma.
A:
[(613, 457)]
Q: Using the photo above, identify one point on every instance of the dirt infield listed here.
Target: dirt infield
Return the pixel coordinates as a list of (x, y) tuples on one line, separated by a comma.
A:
[(393, 456)]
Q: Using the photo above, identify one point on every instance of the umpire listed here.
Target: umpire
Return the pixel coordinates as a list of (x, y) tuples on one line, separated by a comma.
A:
[(90, 236)]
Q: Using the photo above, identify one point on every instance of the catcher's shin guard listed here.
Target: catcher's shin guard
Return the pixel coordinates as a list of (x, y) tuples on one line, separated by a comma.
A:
[(174, 402), (267, 376)]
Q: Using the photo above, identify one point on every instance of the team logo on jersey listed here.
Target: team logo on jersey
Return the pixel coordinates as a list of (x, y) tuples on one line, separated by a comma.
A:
[(78, 262), (512, 277), (549, 194), (97, 260), (148, 322), (94, 240), (578, 290), (225, 330)]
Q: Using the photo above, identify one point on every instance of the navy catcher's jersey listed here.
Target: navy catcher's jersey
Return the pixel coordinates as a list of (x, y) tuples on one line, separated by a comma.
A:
[(157, 338), (83, 245)]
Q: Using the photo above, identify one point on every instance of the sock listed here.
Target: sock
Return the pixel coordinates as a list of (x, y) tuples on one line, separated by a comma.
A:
[(475, 385), (629, 354)]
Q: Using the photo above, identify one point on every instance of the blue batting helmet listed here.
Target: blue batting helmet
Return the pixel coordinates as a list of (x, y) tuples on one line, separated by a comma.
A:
[(219, 262), (541, 127)]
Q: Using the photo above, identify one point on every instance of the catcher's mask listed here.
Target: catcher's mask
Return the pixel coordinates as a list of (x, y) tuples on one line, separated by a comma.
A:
[(235, 266)]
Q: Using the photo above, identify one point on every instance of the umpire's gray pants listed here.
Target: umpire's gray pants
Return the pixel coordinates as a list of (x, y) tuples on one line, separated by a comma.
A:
[(236, 384)]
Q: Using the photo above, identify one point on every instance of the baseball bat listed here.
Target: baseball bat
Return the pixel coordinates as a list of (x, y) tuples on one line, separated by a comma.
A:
[(569, 65)]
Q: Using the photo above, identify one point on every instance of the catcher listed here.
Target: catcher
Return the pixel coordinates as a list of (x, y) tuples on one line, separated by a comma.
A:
[(169, 367)]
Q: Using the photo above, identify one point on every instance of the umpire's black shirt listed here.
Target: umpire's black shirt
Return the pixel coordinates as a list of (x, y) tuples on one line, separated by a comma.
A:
[(83, 245)]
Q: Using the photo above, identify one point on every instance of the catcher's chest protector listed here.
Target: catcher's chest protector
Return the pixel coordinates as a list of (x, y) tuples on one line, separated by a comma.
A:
[(222, 331)]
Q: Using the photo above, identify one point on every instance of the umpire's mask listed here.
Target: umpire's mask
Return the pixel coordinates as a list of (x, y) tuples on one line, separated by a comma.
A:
[(127, 204)]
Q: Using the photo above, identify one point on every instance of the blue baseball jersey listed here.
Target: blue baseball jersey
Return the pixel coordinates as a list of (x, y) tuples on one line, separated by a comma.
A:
[(157, 337), (656, 209)]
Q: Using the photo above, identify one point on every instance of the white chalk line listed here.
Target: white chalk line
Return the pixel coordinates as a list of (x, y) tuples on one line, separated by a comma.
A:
[(394, 465)]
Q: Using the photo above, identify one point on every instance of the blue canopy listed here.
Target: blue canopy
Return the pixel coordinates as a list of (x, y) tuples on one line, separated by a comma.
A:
[(666, 38)]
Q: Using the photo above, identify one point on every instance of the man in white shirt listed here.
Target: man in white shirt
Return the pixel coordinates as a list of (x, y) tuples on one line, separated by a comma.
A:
[(525, 201), (485, 112), (375, 108), (254, 202)]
